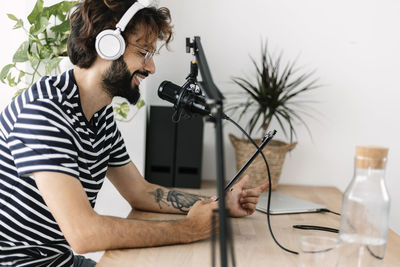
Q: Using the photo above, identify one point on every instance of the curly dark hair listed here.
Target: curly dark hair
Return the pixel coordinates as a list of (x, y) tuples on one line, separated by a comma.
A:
[(90, 17)]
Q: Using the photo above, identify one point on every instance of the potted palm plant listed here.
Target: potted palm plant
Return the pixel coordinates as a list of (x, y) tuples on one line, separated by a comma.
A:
[(275, 94)]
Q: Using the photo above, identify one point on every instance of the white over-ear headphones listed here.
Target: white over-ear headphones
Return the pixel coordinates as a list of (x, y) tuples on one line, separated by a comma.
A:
[(110, 44)]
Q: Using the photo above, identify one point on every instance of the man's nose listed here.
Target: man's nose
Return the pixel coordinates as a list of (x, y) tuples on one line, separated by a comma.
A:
[(150, 67)]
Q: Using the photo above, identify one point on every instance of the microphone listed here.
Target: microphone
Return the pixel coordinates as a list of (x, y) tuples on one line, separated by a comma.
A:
[(183, 98)]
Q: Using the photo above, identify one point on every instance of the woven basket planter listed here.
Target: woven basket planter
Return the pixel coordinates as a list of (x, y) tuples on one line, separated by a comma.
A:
[(275, 152)]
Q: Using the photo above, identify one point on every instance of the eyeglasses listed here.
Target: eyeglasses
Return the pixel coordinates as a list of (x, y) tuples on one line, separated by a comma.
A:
[(146, 54)]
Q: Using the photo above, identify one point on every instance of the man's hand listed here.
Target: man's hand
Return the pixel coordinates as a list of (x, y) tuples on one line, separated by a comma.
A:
[(199, 217), (242, 202)]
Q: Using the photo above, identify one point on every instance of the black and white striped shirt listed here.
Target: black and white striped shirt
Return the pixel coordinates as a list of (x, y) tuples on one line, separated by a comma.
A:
[(44, 129)]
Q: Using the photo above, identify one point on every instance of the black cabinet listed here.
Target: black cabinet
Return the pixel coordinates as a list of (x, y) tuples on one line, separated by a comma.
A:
[(173, 150)]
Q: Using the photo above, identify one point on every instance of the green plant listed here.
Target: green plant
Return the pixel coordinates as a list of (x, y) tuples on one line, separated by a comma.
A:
[(122, 109), (47, 43), (273, 95)]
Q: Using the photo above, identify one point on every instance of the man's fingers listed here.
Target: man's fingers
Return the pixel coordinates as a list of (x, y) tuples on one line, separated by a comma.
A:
[(245, 200), (249, 206), (243, 181), (212, 203), (264, 187), (253, 192), (206, 201)]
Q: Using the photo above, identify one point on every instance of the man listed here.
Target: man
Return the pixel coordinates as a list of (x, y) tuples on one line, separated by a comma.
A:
[(58, 141)]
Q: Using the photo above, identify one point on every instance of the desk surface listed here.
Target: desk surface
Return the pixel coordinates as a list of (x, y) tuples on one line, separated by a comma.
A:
[(253, 244)]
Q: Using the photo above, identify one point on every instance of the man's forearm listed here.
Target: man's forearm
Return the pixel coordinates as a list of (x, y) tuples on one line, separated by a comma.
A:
[(112, 233), (146, 196), (161, 199)]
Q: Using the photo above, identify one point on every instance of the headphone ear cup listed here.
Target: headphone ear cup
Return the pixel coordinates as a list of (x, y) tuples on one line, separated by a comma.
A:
[(110, 44)]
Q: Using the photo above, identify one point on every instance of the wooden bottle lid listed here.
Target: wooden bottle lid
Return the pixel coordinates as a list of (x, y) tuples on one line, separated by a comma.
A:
[(371, 157)]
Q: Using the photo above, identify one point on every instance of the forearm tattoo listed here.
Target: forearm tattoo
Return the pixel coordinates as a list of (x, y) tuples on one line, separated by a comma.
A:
[(159, 196), (178, 200)]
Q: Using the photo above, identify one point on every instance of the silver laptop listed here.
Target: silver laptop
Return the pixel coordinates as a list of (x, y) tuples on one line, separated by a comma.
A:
[(285, 204)]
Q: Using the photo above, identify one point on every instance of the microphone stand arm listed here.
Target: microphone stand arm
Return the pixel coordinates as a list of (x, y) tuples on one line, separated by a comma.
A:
[(215, 101)]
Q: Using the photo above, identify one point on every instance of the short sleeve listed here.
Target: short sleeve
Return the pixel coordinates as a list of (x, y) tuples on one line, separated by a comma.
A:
[(41, 140), (119, 155)]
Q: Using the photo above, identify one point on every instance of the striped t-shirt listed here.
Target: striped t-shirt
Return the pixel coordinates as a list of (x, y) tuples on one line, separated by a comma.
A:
[(44, 129)]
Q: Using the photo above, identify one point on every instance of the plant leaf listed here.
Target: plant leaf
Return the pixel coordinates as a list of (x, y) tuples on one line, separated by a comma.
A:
[(4, 71), (21, 55), (248, 104), (60, 9), (11, 16), (294, 114), (11, 80), (140, 104), (36, 12), (64, 27), (247, 86), (21, 74), (125, 107), (122, 109), (288, 120), (19, 24), (45, 52), (281, 123), (253, 121), (52, 64), (40, 26)]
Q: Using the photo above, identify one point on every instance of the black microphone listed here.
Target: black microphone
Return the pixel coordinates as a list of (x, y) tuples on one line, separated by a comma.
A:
[(183, 98)]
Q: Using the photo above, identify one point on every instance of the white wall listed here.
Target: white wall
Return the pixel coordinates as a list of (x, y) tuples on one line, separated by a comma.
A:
[(354, 47)]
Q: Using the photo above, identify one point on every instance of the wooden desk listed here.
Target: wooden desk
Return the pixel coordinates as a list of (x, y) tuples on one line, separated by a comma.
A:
[(253, 244)]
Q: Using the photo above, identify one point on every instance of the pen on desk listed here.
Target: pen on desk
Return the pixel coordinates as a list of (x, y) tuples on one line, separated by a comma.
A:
[(268, 137)]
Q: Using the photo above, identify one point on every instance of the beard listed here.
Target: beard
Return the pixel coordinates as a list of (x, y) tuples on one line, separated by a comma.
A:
[(117, 81)]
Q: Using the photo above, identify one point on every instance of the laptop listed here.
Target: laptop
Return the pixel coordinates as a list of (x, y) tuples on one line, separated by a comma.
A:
[(285, 204)]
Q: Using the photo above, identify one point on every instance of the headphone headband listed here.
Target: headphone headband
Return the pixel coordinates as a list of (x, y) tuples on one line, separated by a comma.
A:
[(126, 18)]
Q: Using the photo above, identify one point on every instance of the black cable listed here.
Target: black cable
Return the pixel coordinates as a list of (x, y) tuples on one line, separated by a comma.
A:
[(269, 187), (327, 210), (315, 227)]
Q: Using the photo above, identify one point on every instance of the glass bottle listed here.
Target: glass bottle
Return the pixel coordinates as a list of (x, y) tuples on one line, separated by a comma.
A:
[(364, 220)]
